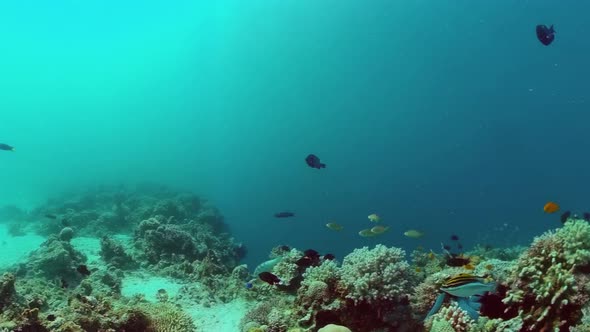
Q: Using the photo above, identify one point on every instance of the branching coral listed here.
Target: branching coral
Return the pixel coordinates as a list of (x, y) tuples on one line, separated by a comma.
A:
[(545, 280), (377, 274), (451, 318)]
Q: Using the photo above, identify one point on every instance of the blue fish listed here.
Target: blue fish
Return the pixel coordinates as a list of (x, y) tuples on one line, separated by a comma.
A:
[(545, 34), (313, 161)]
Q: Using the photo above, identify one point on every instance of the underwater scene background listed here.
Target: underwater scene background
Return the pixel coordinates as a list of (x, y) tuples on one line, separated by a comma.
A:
[(190, 122)]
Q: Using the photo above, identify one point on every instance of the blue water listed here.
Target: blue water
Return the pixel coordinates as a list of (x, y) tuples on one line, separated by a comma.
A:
[(448, 117)]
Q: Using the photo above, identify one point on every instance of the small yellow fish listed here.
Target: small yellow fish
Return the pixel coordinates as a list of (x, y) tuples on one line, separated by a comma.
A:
[(414, 234), (379, 229), (469, 267), (334, 226), (366, 233), (418, 270), (431, 255), (374, 218)]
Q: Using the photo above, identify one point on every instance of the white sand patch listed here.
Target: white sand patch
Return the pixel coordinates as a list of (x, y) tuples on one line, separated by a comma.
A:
[(89, 246), (15, 249), (147, 285), (224, 317)]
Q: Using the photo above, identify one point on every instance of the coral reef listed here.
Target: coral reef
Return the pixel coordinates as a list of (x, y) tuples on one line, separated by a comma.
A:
[(357, 294), (545, 284), (6, 289), (377, 274), (55, 259), (155, 231), (114, 253)]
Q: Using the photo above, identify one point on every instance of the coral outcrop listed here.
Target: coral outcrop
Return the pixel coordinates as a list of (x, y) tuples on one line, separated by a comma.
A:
[(546, 286)]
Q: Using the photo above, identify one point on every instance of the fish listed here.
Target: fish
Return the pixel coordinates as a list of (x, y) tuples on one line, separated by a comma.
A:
[(6, 147), (380, 229), (551, 207), (466, 285), (334, 226), (366, 233), (270, 278), (457, 260), (431, 255), (586, 216), (418, 269), (284, 214), (313, 161), (304, 262), (545, 34), (454, 237), (469, 266), (374, 217), (249, 284), (50, 216), (310, 258), (51, 317), (83, 270), (414, 234), (284, 248), (329, 257), (565, 216), (311, 254)]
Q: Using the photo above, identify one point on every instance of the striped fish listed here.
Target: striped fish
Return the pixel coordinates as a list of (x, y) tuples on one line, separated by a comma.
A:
[(466, 285)]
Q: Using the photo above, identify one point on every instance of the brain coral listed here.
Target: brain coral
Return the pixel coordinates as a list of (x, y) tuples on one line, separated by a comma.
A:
[(376, 274)]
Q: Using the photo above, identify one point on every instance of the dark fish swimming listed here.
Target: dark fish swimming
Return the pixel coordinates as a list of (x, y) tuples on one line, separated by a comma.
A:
[(284, 248), (304, 262), (311, 254), (454, 237), (270, 278), (313, 161), (586, 216), (6, 147), (329, 257), (457, 260), (50, 216), (284, 214), (545, 34), (83, 270), (565, 216)]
